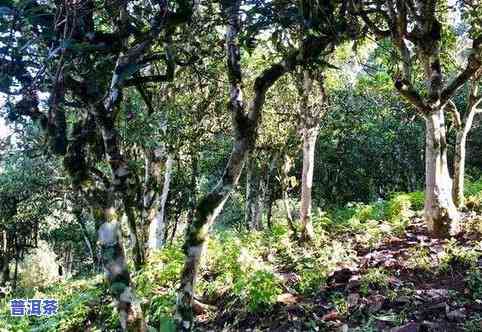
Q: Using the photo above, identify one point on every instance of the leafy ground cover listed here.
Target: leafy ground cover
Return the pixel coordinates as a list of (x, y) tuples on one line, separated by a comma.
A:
[(372, 267)]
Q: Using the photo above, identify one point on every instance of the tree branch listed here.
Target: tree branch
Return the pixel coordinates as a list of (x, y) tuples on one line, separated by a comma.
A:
[(372, 26), (473, 64), (409, 93), (148, 79), (452, 108)]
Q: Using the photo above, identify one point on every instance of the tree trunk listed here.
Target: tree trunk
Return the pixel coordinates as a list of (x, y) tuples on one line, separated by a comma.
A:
[(67, 261), (112, 258), (245, 125), (15, 271), (252, 216), (89, 243), (177, 217), (310, 113), (285, 184), (193, 187), (136, 244), (440, 212), (460, 142), (4, 259), (15, 274), (117, 273), (260, 203), (153, 167), (157, 224), (268, 202), (459, 169), (249, 194), (309, 141), (4, 269)]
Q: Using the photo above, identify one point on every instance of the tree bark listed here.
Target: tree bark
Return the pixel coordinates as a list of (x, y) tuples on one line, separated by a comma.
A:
[(459, 163), (112, 257), (211, 205), (307, 232), (4, 269), (285, 184), (311, 113), (193, 187), (136, 244), (463, 128), (15, 273), (254, 194), (268, 202), (117, 273), (89, 243), (260, 202), (4, 258), (440, 212), (157, 224)]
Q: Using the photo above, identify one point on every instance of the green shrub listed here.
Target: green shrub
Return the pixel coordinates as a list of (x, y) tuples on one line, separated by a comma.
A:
[(374, 279), (473, 195), (457, 257), (399, 207), (474, 283), (157, 283), (359, 212), (259, 289), (79, 303), (473, 188), (312, 275), (419, 258), (402, 205), (473, 324), (340, 303), (417, 200), (314, 265), (355, 218), (235, 264), (162, 270)]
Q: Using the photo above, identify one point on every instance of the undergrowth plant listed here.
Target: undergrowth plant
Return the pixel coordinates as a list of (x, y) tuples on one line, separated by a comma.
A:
[(456, 257), (374, 279)]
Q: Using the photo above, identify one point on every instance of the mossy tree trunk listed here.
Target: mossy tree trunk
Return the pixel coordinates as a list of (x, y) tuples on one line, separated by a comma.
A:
[(311, 111), (285, 186), (89, 242), (4, 258), (270, 190), (117, 273), (254, 195), (157, 221), (87, 85), (4, 268), (112, 257)]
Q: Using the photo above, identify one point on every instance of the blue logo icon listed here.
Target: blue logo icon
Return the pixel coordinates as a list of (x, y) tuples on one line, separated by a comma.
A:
[(33, 307)]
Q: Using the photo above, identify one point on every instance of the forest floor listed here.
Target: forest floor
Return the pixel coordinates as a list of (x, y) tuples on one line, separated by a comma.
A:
[(372, 267), (405, 284)]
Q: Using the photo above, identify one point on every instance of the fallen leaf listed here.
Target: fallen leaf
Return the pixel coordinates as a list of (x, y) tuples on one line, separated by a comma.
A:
[(332, 315), (287, 298)]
